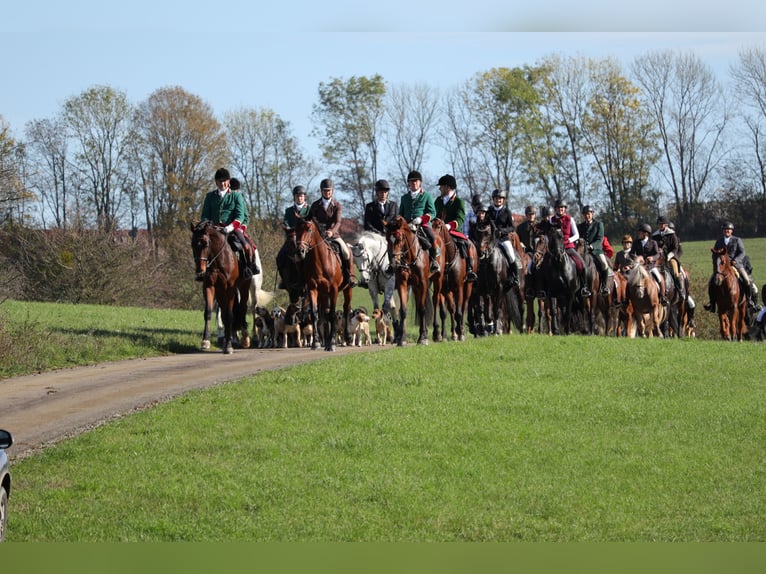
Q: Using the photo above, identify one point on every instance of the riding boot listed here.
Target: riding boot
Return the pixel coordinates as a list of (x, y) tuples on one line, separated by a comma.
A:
[(348, 274), (470, 274), (434, 268), (584, 291), (244, 269), (253, 265), (604, 280)]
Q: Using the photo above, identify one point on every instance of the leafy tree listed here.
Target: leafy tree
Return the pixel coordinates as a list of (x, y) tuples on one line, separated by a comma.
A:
[(618, 134), (180, 146), (348, 120)]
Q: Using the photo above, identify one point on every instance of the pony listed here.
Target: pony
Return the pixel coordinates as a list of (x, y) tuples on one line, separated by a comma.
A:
[(217, 269), (323, 277), (410, 263), (455, 291), (557, 281), (730, 298), (644, 296), (371, 258), (493, 306)]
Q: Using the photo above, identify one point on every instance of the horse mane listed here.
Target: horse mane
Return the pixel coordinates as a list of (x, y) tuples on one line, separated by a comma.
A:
[(638, 273)]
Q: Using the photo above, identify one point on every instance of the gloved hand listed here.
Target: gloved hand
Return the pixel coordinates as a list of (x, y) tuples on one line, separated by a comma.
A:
[(449, 225), (417, 220), (229, 228), (413, 226)]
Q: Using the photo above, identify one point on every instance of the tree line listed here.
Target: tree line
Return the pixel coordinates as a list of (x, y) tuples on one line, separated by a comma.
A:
[(663, 135)]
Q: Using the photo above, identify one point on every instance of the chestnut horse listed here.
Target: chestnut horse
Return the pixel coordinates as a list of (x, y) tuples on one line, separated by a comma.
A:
[(644, 297), (454, 293), (218, 269), (323, 277), (410, 263), (730, 298)]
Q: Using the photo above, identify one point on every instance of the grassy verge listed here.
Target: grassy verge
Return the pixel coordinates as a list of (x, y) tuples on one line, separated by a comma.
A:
[(499, 439)]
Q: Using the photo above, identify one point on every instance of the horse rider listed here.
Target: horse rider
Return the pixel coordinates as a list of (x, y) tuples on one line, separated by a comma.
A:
[(526, 229), (735, 249), (647, 248), (326, 213), (668, 242), (227, 209), (380, 212), (293, 214), (570, 234), (470, 215), (451, 209), (482, 220), (593, 234), (502, 218), (623, 261), (417, 208)]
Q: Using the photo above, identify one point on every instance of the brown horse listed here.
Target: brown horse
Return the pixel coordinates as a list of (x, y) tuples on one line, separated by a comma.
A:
[(410, 263), (323, 277), (454, 292), (644, 296), (730, 298), (218, 270)]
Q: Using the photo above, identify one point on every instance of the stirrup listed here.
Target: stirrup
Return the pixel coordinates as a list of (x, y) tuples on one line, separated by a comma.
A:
[(585, 292), (471, 276)]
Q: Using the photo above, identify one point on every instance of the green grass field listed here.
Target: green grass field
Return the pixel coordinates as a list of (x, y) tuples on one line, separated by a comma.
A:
[(515, 438)]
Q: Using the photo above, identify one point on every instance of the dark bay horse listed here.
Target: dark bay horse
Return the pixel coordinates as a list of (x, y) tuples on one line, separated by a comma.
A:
[(455, 292), (218, 269), (495, 309), (557, 281), (730, 298), (323, 277), (410, 263)]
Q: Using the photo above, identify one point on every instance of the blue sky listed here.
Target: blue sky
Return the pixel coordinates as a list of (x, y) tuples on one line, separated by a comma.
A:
[(238, 54)]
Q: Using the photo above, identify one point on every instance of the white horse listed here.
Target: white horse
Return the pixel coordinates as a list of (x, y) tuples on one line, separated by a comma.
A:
[(371, 258), (257, 297)]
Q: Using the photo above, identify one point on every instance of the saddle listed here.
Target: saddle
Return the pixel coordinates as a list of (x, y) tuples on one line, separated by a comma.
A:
[(577, 260)]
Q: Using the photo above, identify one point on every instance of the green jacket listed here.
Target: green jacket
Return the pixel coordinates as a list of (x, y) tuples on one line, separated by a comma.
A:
[(593, 235), (226, 209), (291, 216), (423, 204), (451, 212)]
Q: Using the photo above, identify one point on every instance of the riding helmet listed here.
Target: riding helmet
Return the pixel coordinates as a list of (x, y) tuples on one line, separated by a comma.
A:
[(448, 180), (662, 219), (560, 203), (298, 189), (498, 193), (413, 175), (481, 206), (222, 174), (326, 184), (382, 185), (588, 209), (645, 227), (530, 209), (475, 200), (728, 225), (234, 184)]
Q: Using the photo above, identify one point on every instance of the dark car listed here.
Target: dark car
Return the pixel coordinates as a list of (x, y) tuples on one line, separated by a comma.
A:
[(6, 440)]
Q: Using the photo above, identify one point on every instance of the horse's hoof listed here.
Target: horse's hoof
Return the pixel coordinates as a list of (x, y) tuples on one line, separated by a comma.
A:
[(315, 346), (228, 350), (331, 349), (246, 343), (401, 344), (423, 341)]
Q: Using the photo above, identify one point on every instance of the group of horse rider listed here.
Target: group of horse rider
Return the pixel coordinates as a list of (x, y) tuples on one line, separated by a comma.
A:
[(226, 206)]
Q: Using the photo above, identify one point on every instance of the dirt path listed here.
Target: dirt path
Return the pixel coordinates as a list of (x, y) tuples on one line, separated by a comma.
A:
[(45, 408)]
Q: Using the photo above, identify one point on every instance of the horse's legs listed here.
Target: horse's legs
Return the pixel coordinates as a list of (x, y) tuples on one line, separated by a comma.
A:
[(207, 294), (400, 329)]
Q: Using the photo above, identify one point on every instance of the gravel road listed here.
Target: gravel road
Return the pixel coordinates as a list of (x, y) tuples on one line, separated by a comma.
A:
[(45, 408)]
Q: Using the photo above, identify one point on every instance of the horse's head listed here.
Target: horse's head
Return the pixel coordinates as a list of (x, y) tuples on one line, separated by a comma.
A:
[(307, 237), (722, 264), (541, 249), (401, 241), (207, 243), (484, 240)]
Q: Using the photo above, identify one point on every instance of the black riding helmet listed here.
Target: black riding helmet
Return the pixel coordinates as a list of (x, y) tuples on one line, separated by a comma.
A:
[(298, 189), (498, 193), (560, 203)]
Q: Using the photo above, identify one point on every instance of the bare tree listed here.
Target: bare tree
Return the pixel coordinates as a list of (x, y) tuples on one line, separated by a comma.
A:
[(749, 75), (458, 137), (47, 145), (99, 122), (690, 112), (14, 195), (267, 155), (411, 115)]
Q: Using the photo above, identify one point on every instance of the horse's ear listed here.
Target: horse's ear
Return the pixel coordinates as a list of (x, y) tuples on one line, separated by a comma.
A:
[(194, 225)]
